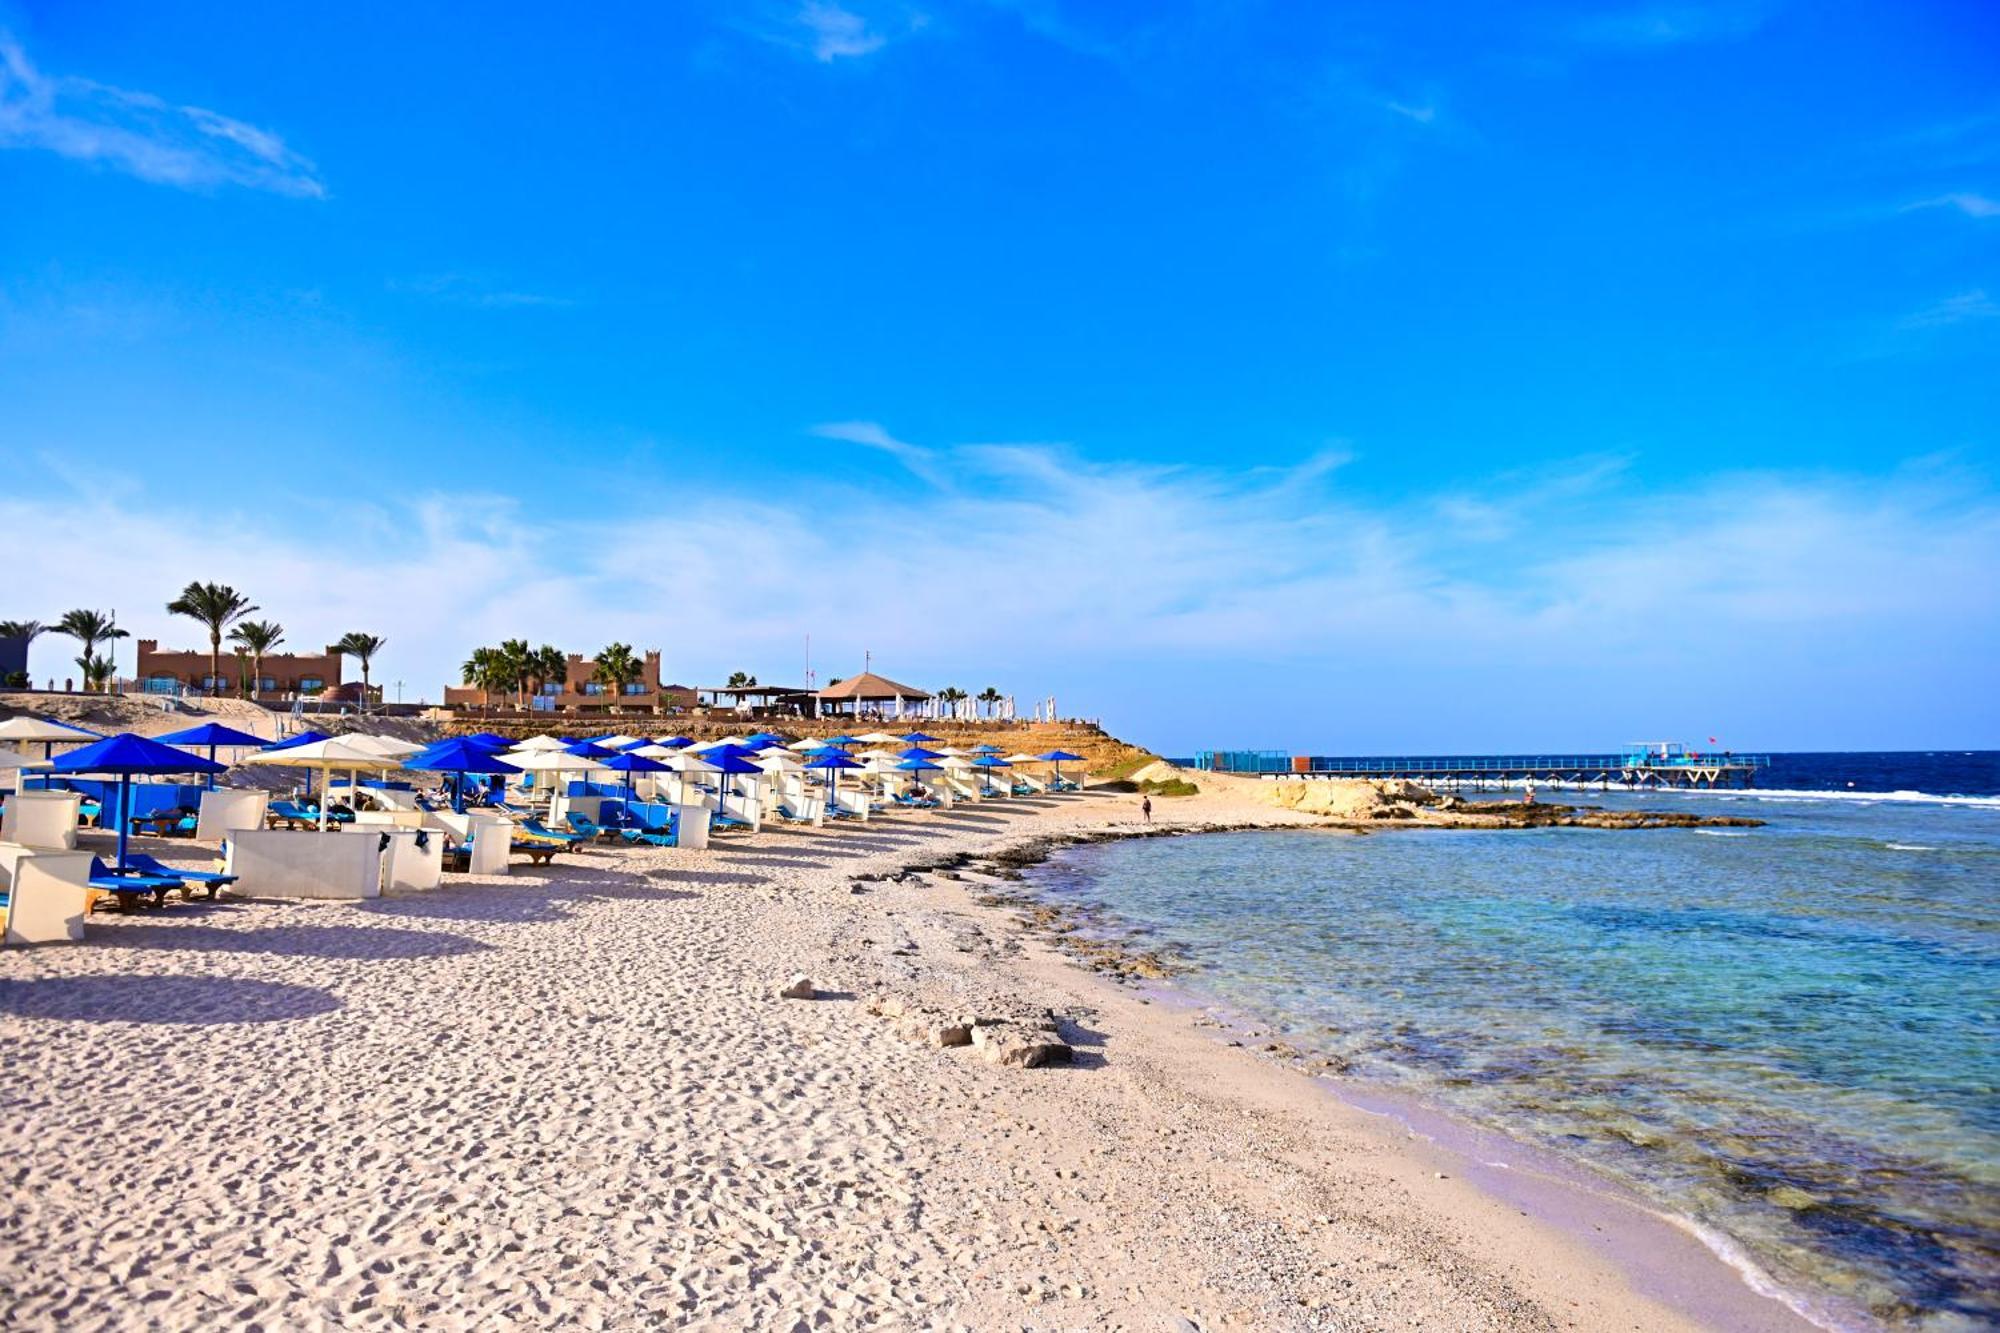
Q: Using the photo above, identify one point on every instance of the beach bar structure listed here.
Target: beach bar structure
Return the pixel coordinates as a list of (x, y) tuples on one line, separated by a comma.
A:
[(1644, 764)]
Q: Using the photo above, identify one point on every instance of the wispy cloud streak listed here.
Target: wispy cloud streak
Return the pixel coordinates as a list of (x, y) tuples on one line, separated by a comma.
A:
[(143, 135)]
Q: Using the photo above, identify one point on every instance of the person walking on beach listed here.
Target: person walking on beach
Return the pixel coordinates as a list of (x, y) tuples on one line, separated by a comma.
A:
[(1146, 807)]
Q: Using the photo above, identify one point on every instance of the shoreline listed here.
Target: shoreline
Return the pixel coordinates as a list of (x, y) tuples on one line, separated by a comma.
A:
[(572, 1093), (1566, 1193)]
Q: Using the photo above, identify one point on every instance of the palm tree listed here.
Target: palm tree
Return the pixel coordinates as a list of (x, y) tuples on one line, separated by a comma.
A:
[(486, 670), (216, 605), (256, 637), (617, 667), (361, 647), (96, 671), (547, 663), (91, 628), (991, 698), (514, 655), (29, 630), (742, 680), (950, 695)]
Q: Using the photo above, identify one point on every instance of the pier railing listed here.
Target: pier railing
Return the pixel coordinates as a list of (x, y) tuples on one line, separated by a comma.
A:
[(1642, 763)]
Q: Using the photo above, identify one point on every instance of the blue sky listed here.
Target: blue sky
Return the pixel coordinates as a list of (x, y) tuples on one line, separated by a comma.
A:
[(1475, 377)]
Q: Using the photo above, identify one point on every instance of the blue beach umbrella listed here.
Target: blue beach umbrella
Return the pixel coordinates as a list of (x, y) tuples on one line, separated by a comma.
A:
[(989, 762), (216, 737), (628, 764), (458, 756), (843, 740), (674, 742), (125, 755), (918, 738), (831, 762), (1058, 758), (490, 740), (588, 750), (918, 752)]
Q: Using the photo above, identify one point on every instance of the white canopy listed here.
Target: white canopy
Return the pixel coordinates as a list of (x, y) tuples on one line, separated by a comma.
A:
[(551, 761), (617, 742), (1022, 759), (878, 738), (15, 759), (773, 761), (683, 762), (386, 746), (809, 743), (953, 761), (334, 752), (542, 742), (41, 729)]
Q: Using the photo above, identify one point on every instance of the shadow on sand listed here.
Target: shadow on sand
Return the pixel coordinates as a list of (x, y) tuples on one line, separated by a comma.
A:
[(355, 943), (142, 999)]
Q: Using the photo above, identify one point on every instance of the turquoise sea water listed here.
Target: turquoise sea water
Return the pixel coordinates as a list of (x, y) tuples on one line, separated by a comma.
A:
[(1787, 1034)]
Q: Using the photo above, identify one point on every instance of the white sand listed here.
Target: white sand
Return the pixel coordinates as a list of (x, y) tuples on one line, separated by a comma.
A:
[(571, 1099)]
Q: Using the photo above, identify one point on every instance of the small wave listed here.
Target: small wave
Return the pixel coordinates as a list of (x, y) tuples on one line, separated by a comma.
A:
[(1908, 847), (1809, 794), (1721, 833)]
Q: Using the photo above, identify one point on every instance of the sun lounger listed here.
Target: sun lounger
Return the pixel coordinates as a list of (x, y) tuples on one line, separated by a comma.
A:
[(535, 828), (211, 879), (131, 888), (590, 828)]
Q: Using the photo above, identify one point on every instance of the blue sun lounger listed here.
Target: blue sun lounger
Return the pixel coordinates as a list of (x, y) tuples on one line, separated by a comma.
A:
[(211, 879), (129, 888)]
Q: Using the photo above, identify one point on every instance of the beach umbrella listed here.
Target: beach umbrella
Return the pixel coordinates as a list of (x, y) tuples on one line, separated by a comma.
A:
[(458, 756), (293, 742), (628, 764), (878, 738), (215, 737), (47, 731), (918, 738), (987, 763), (918, 752), (831, 762), (589, 750), (675, 742), (843, 740), (491, 740), (325, 754), (387, 746), (124, 756), (988, 748), (1057, 758), (807, 745), (683, 762), (542, 742)]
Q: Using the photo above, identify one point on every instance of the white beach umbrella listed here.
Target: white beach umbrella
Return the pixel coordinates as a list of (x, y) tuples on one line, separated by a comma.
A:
[(779, 760), (14, 760), (336, 752), (879, 738), (542, 742), (617, 742), (42, 729), (683, 762), (386, 746), (809, 743), (552, 761)]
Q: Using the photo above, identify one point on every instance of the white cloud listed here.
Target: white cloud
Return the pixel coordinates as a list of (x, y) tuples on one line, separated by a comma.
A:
[(1038, 572), (1655, 27), (834, 33), (1962, 308), (142, 135), (1972, 205), (470, 290), (1423, 115)]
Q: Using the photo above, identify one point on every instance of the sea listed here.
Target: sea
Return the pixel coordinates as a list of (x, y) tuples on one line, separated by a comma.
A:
[(1788, 1036)]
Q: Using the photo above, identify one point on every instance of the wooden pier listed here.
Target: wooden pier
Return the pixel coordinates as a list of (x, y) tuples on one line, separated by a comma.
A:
[(1652, 765)]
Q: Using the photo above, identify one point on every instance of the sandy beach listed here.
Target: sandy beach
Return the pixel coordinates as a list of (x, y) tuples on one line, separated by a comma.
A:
[(573, 1098)]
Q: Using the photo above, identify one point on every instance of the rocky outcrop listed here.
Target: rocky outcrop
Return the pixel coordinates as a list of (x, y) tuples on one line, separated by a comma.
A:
[(1003, 1033)]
